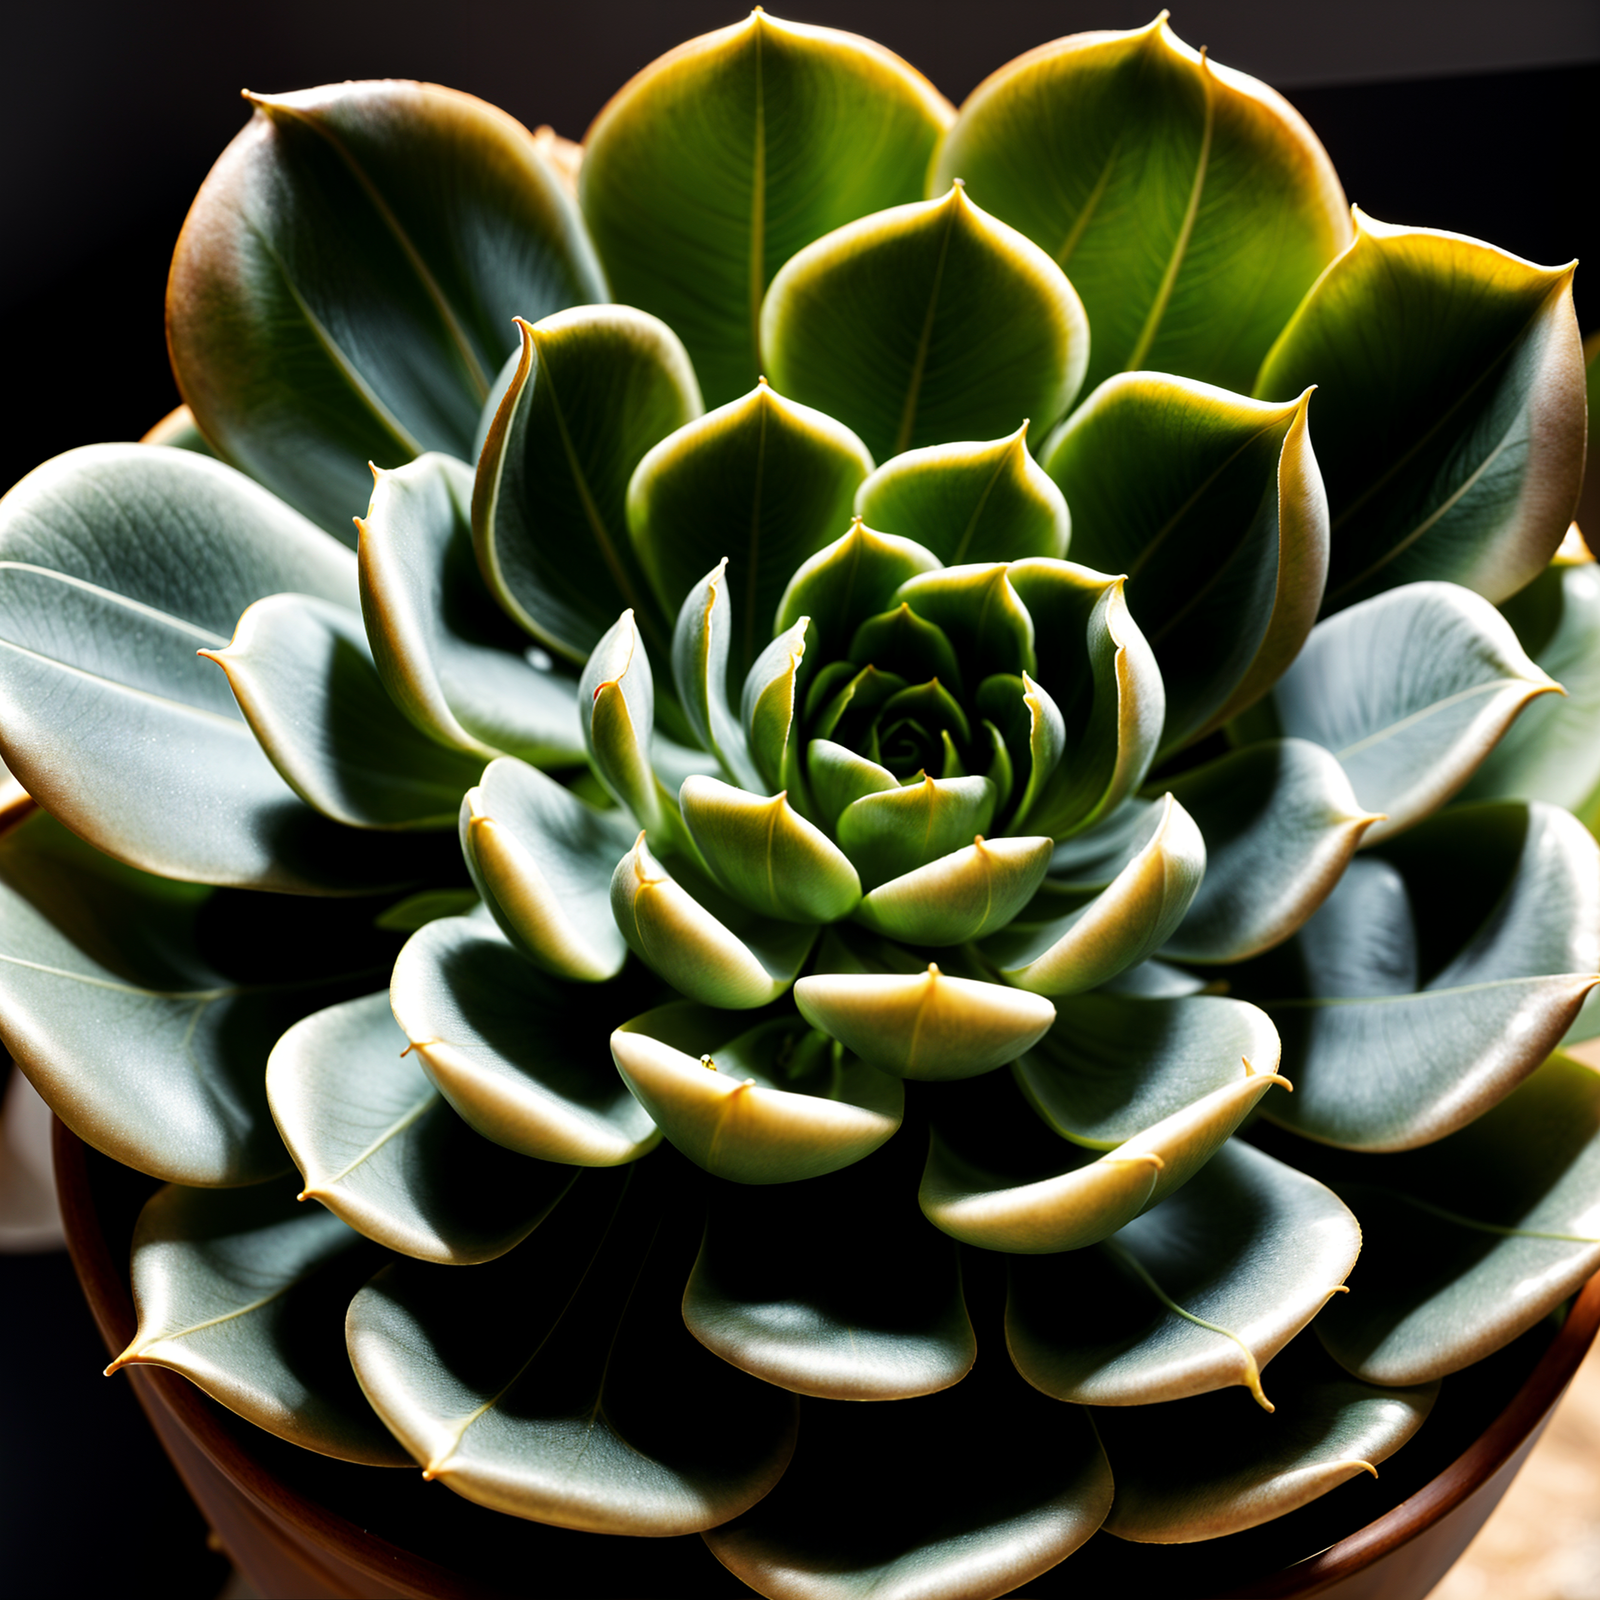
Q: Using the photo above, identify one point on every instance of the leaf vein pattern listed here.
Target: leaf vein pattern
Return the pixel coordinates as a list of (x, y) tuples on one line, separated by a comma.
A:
[(1390, 730), (908, 415)]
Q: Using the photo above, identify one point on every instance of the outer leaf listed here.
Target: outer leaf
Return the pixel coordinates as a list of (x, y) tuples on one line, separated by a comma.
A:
[(1123, 924), (1438, 975), (113, 1005), (597, 386), (773, 1104), (616, 692), (1450, 412), (720, 160), (926, 323), (1213, 506), (961, 896), (835, 1288), (700, 644), (378, 1146), (1327, 1429), (1475, 1238), (1021, 1483), (762, 482), (924, 1025), (1195, 1295), (1191, 204), (1410, 690), (969, 502), (116, 563), (510, 1051), (542, 860), (343, 289), (1280, 822), (228, 1285), (449, 657), (303, 674), (559, 1383)]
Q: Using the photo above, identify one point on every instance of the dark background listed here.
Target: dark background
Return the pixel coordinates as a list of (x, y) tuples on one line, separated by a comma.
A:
[(1478, 115)]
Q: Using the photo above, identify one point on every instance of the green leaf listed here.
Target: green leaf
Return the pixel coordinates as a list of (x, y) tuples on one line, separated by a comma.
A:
[(1114, 1065), (847, 582), (542, 860), (118, 562), (1213, 507), (1280, 822), (303, 674), (617, 704), (835, 1288), (1439, 973), (243, 1292), (770, 704), (924, 1024), (767, 857), (771, 1104), (512, 1052), (837, 776), (908, 646), (700, 643), (343, 289), (761, 482), (895, 831), (977, 609), (1198, 1294), (1449, 413), (418, 910), (449, 657), (961, 896), (720, 160), (378, 1146), (925, 324), (1410, 690), (112, 1001), (597, 386), (708, 948), (559, 1382), (1000, 1485), (1475, 1238), (1191, 204), (1327, 1428), (1117, 926), (969, 502), (178, 430)]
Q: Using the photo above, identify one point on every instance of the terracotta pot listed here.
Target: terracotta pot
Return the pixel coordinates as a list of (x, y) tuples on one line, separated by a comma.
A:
[(300, 1526)]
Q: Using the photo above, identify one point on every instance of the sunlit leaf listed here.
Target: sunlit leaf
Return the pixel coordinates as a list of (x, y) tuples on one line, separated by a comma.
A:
[(961, 896)]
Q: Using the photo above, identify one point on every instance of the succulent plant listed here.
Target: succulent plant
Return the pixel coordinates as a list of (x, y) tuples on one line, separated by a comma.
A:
[(936, 755)]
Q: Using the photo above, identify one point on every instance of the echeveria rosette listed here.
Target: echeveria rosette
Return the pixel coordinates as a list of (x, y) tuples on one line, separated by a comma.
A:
[(913, 817)]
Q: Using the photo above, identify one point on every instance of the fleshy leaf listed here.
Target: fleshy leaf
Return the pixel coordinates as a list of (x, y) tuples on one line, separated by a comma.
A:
[(597, 386), (377, 1145), (449, 657), (1190, 204), (1475, 1238), (1198, 1294), (772, 1104), (1439, 973), (706, 947), (559, 1382), (762, 482), (303, 674), (1410, 690), (769, 706), (979, 612), (700, 644), (112, 1004), (1280, 822), (1213, 507), (521, 1058), (343, 289), (969, 502), (836, 1288), (1449, 417), (1022, 1482), (837, 776), (924, 324), (720, 160), (961, 896), (242, 1292), (542, 860), (895, 831), (617, 702), (766, 856), (1327, 1428), (1117, 926), (925, 1024)]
